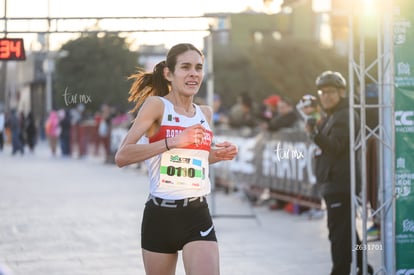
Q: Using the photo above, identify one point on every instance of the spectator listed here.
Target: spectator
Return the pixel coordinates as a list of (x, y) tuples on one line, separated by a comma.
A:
[(121, 119), (2, 127), (104, 131), (270, 107), (22, 122), (333, 171), (308, 108), (220, 117), (65, 135), (286, 117), (15, 127), (309, 111), (31, 131), (52, 130), (242, 114), (78, 139)]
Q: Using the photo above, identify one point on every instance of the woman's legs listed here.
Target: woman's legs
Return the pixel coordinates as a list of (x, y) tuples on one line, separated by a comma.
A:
[(159, 263), (53, 144), (201, 258)]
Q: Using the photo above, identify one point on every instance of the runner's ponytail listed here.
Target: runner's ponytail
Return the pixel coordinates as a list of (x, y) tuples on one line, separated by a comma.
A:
[(148, 84)]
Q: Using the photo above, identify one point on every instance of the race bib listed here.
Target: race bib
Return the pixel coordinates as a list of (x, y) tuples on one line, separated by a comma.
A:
[(178, 169)]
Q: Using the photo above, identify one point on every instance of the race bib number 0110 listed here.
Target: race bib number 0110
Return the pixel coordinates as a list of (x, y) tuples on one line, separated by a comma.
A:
[(177, 170)]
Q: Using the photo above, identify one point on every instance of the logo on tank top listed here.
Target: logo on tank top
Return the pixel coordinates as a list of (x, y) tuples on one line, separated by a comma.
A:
[(172, 132), (170, 117)]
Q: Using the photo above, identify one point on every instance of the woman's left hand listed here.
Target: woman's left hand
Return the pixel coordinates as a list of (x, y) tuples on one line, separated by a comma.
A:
[(225, 150)]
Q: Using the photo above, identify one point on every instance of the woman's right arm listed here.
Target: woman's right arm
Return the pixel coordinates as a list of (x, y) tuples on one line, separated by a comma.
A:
[(151, 111), (129, 151)]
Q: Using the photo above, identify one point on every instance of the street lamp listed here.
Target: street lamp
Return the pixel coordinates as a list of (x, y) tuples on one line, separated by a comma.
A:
[(48, 68)]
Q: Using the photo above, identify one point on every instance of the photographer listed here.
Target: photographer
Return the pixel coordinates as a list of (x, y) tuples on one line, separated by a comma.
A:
[(333, 169)]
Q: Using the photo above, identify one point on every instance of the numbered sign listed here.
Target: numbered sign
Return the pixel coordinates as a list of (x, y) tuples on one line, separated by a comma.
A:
[(12, 49)]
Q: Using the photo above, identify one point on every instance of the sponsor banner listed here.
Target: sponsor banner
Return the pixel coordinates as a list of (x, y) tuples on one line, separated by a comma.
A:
[(403, 43), (404, 135), (281, 161), (404, 182)]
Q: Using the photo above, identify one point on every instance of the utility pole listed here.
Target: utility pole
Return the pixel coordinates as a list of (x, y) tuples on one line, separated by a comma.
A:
[(48, 65), (3, 69)]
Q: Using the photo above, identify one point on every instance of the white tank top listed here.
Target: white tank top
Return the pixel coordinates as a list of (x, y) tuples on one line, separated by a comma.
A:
[(180, 172)]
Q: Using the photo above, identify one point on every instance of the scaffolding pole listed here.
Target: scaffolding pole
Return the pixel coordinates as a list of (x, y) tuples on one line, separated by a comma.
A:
[(388, 149), (383, 132)]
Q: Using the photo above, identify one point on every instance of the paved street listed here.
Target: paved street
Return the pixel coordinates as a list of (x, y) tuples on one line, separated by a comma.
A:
[(82, 217)]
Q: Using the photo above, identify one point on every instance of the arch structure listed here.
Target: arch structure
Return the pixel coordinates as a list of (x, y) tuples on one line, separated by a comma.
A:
[(381, 134)]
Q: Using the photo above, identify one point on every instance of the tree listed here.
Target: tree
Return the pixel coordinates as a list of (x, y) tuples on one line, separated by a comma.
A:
[(287, 67), (234, 74), (291, 66), (94, 71)]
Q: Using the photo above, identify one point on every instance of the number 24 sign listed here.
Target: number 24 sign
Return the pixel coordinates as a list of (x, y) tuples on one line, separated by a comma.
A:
[(12, 49)]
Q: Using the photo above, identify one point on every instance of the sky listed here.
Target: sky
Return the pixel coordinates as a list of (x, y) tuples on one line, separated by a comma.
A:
[(102, 8)]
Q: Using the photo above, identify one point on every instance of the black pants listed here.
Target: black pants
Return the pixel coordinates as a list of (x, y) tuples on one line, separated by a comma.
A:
[(340, 233), (1, 140)]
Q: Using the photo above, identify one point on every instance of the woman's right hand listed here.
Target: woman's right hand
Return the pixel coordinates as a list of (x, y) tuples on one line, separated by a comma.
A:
[(190, 135)]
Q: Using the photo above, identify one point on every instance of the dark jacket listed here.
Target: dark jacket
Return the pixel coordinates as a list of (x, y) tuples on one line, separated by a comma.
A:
[(332, 167), (283, 121)]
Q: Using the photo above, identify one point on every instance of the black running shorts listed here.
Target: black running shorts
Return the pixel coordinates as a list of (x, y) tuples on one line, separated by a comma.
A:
[(168, 225)]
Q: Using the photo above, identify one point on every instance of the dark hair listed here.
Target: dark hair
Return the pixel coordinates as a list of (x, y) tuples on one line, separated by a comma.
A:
[(154, 83)]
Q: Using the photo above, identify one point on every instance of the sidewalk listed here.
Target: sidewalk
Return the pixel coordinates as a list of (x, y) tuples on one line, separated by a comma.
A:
[(82, 217)]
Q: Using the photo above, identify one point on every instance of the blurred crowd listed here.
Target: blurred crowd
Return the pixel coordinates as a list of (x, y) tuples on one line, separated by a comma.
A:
[(70, 132), (76, 132), (274, 113)]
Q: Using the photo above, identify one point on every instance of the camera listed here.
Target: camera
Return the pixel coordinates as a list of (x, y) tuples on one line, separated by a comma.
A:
[(311, 122)]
